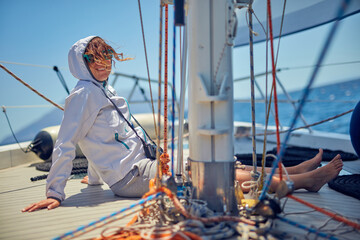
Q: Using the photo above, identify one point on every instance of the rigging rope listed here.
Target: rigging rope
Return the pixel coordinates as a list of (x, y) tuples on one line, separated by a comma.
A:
[(254, 173), (268, 17), (29, 106), (322, 65), (164, 158), (306, 93), (263, 172), (158, 172), (107, 219), (31, 88), (7, 118), (173, 97), (147, 64), (183, 59), (330, 214), (310, 125), (166, 76), (312, 230), (267, 110), (291, 101), (281, 27), (340, 229), (274, 84), (27, 64)]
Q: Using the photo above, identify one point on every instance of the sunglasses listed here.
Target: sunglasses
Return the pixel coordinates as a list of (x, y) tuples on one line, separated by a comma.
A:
[(107, 55)]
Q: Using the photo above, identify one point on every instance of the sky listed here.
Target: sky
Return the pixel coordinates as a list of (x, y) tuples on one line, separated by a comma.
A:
[(38, 34)]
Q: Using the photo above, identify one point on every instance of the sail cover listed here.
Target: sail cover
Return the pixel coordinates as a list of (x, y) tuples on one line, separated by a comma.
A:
[(300, 15)]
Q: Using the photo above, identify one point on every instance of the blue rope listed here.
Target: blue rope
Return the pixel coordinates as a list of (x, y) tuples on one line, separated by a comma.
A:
[(103, 219), (312, 230), (304, 97), (173, 99), (252, 82)]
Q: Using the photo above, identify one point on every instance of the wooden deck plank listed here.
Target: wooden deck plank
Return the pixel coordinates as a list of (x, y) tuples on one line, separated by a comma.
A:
[(85, 204)]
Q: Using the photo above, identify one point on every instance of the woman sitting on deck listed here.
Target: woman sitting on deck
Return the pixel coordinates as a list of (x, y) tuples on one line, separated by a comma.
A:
[(114, 151)]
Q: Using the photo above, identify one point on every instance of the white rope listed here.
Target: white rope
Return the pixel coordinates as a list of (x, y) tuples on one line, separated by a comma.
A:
[(283, 167), (32, 106), (28, 64)]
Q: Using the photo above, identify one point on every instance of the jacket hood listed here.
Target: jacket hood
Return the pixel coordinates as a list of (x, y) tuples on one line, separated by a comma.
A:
[(77, 65)]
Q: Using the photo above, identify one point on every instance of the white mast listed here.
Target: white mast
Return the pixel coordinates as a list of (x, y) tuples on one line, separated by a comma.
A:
[(211, 156)]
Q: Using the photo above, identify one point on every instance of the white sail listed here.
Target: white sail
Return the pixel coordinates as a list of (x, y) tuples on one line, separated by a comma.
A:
[(299, 16)]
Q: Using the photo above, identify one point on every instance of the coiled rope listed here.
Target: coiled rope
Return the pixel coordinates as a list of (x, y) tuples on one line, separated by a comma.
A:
[(186, 214), (145, 226)]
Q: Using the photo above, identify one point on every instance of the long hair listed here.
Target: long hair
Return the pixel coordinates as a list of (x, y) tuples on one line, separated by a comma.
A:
[(99, 51)]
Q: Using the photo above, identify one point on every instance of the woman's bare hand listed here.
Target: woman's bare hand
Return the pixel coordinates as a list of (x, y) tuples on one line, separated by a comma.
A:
[(47, 203)]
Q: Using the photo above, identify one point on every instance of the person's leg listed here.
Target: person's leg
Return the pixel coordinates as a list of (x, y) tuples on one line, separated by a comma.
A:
[(311, 180), (303, 167), (314, 180), (136, 182)]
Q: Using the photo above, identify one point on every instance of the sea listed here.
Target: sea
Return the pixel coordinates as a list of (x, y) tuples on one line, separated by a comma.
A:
[(322, 103)]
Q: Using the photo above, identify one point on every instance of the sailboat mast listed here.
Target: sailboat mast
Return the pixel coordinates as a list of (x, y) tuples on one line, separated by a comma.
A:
[(211, 143)]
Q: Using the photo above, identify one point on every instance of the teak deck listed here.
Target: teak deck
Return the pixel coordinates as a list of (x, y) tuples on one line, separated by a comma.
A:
[(85, 204)]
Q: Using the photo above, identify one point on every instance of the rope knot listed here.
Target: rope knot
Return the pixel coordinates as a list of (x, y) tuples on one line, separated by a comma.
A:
[(164, 160)]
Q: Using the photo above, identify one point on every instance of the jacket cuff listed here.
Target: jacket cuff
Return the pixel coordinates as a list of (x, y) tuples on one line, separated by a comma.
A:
[(57, 199)]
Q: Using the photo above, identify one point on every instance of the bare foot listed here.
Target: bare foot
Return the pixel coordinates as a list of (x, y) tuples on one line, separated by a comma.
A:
[(310, 164), (85, 180), (319, 177)]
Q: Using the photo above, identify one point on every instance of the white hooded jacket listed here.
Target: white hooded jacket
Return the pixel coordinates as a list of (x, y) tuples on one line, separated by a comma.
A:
[(90, 120)]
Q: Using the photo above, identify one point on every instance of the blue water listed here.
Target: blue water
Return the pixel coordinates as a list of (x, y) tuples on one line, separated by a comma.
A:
[(337, 98), (325, 102)]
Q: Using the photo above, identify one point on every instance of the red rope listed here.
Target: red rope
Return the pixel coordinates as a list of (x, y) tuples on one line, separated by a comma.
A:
[(330, 214), (186, 214), (164, 158), (274, 84), (166, 77)]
